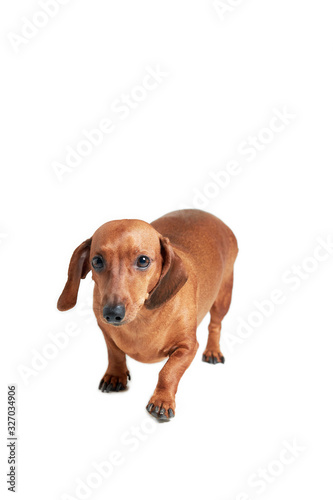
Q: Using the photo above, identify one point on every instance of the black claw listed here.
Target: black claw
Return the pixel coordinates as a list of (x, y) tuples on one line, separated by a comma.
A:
[(214, 360), (210, 360), (104, 386), (101, 383), (162, 415), (109, 388), (163, 418), (129, 376), (203, 357), (222, 359), (119, 387), (155, 413)]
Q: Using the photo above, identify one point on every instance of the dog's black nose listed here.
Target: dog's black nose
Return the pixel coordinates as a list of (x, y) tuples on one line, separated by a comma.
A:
[(114, 314)]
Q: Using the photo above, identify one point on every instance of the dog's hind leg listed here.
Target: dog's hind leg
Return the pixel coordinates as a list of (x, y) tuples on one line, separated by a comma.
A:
[(212, 353)]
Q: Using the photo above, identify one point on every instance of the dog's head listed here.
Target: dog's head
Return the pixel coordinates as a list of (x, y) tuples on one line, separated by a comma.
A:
[(132, 265)]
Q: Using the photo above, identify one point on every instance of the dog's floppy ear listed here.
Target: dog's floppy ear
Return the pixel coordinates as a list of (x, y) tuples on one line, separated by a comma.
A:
[(173, 277), (79, 267)]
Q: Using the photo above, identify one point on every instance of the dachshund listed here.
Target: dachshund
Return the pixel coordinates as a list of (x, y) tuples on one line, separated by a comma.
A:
[(154, 283)]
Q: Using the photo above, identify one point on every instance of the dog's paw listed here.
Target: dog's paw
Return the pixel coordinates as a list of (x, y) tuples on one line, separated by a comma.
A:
[(213, 357), (161, 408), (114, 383)]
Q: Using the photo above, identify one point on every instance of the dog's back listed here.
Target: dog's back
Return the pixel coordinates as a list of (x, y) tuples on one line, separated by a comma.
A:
[(207, 243)]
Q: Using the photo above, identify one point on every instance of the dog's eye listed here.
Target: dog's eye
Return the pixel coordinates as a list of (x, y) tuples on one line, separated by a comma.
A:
[(97, 263), (143, 261)]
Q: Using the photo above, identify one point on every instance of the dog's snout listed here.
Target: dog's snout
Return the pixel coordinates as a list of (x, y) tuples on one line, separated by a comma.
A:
[(114, 314)]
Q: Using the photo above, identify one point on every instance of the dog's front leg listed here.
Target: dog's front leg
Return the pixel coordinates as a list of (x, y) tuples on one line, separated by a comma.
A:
[(115, 378), (162, 403)]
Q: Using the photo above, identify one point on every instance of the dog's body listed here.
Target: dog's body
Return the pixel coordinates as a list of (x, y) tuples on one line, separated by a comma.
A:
[(154, 283)]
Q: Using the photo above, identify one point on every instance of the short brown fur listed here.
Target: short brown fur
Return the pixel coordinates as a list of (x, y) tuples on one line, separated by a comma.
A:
[(192, 255)]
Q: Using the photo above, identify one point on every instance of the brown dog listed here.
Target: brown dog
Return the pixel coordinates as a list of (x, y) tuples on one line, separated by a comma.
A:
[(154, 283)]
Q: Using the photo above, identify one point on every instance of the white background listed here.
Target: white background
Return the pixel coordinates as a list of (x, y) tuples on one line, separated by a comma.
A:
[(226, 75)]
